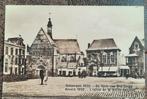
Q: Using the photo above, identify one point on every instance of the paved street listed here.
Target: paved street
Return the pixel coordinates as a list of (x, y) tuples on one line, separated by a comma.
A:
[(74, 86)]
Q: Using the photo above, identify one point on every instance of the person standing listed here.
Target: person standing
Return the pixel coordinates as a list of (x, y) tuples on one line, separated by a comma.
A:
[(42, 76)]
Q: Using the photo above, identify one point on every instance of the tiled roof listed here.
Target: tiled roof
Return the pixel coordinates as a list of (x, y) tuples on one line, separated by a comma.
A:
[(103, 44), (142, 41), (67, 46)]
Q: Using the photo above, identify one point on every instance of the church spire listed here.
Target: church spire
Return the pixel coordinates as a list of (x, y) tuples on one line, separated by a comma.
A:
[(49, 28)]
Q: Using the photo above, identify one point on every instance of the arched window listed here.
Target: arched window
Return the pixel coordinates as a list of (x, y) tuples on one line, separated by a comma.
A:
[(104, 58), (136, 46), (112, 57)]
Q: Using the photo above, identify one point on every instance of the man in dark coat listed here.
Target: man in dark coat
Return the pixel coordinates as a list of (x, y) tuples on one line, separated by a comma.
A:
[(42, 76)]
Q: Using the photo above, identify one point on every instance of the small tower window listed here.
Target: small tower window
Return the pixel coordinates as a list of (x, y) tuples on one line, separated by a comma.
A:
[(136, 46)]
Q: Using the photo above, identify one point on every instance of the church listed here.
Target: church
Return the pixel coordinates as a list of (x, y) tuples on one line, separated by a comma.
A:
[(59, 57)]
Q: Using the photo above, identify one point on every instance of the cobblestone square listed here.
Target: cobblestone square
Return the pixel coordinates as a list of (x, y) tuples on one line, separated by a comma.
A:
[(74, 86)]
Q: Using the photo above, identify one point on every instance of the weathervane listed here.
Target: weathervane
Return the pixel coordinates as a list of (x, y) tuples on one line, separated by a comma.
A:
[(50, 14)]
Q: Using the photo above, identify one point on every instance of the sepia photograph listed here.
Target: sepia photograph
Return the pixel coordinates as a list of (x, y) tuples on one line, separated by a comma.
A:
[(74, 51)]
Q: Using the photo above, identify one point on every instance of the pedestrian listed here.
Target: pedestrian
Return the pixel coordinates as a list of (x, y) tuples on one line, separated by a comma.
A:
[(42, 76)]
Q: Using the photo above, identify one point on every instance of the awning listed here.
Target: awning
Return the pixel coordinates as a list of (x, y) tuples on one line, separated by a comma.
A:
[(108, 69), (124, 67), (132, 55)]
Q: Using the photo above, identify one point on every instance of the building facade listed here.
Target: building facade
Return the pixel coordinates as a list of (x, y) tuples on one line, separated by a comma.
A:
[(14, 56), (135, 60), (103, 56), (70, 58), (57, 56)]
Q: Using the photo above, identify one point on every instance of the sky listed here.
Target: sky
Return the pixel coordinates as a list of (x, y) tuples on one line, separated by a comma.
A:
[(84, 23)]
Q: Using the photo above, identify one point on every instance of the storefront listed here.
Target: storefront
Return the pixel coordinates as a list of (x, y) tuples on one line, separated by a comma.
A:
[(108, 72), (124, 71)]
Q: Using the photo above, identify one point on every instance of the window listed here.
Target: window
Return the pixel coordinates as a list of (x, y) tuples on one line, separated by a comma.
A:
[(63, 59), (104, 58), (19, 51), (112, 58), (108, 59), (6, 65), (72, 58), (136, 46), (6, 51), (15, 61), (16, 51), (11, 51), (23, 52), (19, 61)]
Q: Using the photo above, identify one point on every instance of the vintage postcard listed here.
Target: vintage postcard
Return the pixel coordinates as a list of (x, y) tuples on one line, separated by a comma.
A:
[(74, 51)]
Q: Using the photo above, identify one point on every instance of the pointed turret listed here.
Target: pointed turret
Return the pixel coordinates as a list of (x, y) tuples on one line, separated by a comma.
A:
[(49, 28)]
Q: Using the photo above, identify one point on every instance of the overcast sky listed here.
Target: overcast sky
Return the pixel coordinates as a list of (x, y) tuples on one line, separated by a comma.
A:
[(84, 23)]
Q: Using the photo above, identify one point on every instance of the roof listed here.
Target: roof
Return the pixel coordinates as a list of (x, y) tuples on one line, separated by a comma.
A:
[(67, 46), (16, 41), (103, 44), (49, 38), (46, 36), (142, 41)]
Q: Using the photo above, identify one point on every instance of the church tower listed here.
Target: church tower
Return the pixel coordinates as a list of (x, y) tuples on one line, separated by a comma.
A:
[(49, 28)]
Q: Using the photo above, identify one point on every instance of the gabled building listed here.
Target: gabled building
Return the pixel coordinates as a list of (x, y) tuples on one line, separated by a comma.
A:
[(57, 56), (14, 56), (103, 56), (135, 60), (42, 52), (70, 57)]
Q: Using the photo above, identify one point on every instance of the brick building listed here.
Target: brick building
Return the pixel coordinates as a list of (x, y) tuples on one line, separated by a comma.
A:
[(57, 56)]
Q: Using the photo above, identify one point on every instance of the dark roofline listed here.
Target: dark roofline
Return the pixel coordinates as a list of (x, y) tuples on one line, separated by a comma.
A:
[(103, 49), (136, 37), (101, 40), (66, 39)]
